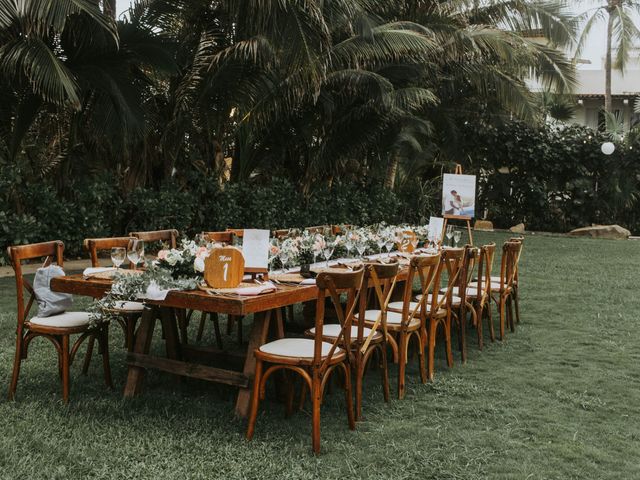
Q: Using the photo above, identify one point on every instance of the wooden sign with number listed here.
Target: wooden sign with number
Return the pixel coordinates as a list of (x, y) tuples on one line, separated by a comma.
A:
[(405, 245), (224, 267)]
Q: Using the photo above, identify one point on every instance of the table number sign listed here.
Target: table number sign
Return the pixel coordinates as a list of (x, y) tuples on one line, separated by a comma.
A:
[(224, 267), (406, 244)]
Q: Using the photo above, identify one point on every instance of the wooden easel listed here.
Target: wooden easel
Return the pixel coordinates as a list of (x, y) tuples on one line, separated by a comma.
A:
[(466, 218)]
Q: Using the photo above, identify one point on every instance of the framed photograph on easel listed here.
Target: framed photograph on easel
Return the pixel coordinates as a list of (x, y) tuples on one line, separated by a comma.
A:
[(458, 198)]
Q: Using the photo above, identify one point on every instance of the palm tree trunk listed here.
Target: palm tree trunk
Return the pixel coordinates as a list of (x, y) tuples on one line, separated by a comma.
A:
[(607, 61), (392, 170)]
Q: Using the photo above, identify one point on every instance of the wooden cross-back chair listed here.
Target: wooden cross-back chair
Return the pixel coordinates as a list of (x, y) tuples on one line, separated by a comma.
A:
[(170, 237), (406, 319), (314, 359), (340, 229), (381, 278), (280, 234), (56, 328), (516, 279), (479, 292), (218, 237), (127, 312), (504, 290)]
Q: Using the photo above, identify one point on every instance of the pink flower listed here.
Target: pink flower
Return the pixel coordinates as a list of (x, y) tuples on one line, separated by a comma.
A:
[(162, 254), (202, 252)]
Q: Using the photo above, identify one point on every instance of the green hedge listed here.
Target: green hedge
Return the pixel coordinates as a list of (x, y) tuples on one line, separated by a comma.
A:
[(96, 208)]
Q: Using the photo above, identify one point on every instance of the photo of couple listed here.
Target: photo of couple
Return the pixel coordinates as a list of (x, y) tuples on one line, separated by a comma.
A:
[(458, 195)]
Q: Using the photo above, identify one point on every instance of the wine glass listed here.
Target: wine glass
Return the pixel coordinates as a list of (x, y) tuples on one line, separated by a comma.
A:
[(380, 241), (348, 242), (388, 244), (135, 252), (361, 246), (457, 235), (284, 259), (118, 254), (274, 251), (449, 233), (327, 251)]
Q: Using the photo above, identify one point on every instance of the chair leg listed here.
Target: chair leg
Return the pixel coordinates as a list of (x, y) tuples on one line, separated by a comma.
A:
[(462, 332), (255, 400), (87, 357), (65, 368), (511, 315), (421, 360), (349, 395), (478, 312), (517, 304), (384, 371), (104, 346), (203, 318), (431, 349), (316, 397), (492, 333), (447, 340), (502, 317), (402, 363), (131, 332), (16, 367), (360, 368)]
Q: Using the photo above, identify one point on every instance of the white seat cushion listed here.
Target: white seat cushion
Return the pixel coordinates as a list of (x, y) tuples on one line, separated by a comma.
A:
[(471, 291), (495, 287), (455, 300), (397, 306), (63, 320), (295, 347), (393, 318), (497, 280), (332, 330), (129, 306)]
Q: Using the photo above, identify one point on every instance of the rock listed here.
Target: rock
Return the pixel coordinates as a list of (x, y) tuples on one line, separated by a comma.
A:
[(519, 228), (615, 232), (483, 225)]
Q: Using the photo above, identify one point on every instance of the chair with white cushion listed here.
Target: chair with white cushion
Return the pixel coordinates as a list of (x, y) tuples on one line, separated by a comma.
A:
[(368, 340), (479, 293), (55, 328), (314, 359), (407, 319), (126, 313)]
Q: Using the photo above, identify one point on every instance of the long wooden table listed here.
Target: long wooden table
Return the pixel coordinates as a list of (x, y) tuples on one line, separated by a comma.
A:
[(179, 354), (181, 358)]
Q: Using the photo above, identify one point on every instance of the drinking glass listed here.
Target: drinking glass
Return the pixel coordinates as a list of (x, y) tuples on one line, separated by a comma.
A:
[(118, 254), (274, 251), (457, 235), (361, 246), (380, 241), (327, 251), (449, 233), (136, 252), (388, 245), (284, 259), (348, 243)]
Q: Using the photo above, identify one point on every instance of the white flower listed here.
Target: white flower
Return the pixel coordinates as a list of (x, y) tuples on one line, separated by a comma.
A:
[(198, 264)]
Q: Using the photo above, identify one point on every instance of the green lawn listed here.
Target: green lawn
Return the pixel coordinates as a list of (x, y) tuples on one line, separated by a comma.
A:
[(560, 398)]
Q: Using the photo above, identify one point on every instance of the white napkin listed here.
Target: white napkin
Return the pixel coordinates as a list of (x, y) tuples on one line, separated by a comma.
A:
[(257, 290), (93, 270), (154, 292), (308, 281)]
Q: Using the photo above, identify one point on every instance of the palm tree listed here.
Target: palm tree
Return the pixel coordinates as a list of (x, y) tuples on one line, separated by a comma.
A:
[(621, 31)]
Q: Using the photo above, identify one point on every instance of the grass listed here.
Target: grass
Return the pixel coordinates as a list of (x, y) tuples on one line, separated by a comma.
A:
[(558, 399)]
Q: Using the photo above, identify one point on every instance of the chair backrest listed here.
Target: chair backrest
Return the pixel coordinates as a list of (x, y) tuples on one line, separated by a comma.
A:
[(322, 229), (280, 234), (334, 282), (219, 237), (50, 251), (509, 264), (340, 229), (485, 265), (381, 277), (453, 261), (521, 240), (470, 263), (427, 269), (96, 245), (165, 236)]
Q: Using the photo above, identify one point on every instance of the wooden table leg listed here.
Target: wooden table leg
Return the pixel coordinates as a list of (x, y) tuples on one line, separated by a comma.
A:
[(143, 344), (258, 336)]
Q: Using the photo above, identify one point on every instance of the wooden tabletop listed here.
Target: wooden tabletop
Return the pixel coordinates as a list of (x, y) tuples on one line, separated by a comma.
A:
[(196, 299)]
